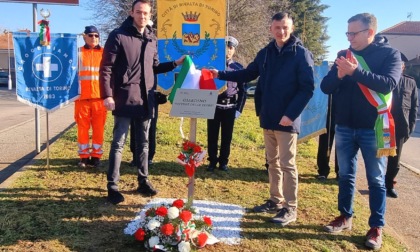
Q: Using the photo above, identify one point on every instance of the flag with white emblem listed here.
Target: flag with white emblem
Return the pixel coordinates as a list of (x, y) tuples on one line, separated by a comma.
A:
[(46, 76)]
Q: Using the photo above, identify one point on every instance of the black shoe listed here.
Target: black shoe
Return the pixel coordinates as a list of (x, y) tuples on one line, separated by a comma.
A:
[(269, 206), (321, 177), (211, 168), (83, 162), (133, 163), (223, 167), (115, 197), (95, 162), (146, 189), (150, 162), (391, 193)]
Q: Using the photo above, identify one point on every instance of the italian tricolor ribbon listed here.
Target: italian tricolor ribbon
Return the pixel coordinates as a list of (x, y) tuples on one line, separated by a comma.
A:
[(384, 125), (44, 33)]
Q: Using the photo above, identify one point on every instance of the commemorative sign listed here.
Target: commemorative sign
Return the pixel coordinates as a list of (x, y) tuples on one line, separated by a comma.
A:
[(194, 103)]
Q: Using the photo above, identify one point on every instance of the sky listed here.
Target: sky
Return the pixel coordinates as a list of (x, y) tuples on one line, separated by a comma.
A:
[(73, 19)]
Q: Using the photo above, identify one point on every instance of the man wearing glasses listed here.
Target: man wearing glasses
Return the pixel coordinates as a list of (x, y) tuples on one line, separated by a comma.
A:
[(362, 79), (89, 108)]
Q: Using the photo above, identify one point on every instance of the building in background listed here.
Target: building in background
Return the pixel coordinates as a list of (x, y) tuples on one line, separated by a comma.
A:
[(6, 51), (405, 37)]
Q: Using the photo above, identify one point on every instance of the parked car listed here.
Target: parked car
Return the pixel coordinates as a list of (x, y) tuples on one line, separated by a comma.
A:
[(251, 91), (4, 78)]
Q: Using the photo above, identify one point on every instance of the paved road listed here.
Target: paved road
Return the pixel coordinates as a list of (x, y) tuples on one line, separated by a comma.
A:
[(17, 147), (17, 132)]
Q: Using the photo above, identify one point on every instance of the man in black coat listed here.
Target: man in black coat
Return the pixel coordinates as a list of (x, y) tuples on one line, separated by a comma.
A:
[(404, 110), (127, 76)]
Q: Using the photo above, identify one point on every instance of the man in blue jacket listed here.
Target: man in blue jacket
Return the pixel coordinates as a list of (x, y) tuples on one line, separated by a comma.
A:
[(285, 86), (362, 79)]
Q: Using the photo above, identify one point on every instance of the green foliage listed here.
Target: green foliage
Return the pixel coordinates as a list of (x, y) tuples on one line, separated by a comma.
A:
[(311, 27)]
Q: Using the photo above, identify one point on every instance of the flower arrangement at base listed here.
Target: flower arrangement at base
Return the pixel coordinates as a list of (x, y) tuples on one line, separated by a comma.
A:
[(174, 228), (190, 157)]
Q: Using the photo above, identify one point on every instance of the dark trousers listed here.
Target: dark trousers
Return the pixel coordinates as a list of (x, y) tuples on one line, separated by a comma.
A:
[(224, 119), (121, 126), (393, 166), (152, 137), (324, 154)]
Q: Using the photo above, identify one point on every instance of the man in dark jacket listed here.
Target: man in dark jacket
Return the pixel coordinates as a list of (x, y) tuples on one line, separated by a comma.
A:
[(229, 106), (127, 73), (285, 86), (363, 78), (404, 111)]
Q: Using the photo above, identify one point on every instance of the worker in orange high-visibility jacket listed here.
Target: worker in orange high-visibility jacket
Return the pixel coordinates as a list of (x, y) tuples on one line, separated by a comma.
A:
[(89, 108)]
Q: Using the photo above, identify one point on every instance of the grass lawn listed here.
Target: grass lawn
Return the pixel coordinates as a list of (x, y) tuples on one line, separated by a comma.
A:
[(64, 208)]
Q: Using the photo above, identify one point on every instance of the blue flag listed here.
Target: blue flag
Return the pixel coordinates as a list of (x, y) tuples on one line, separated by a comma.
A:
[(314, 116), (46, 76)]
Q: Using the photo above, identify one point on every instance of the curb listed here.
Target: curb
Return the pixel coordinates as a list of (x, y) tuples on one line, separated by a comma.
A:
[(411, 168)]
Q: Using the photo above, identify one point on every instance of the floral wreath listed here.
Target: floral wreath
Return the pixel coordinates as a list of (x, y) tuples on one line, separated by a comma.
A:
[(174, 228), (191, 157)]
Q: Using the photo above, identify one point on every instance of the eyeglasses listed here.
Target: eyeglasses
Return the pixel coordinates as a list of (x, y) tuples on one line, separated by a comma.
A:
[(93, 35), (353, 34)]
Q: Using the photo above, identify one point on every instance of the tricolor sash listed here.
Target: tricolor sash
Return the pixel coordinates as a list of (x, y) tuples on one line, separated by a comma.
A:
[(384, 124)]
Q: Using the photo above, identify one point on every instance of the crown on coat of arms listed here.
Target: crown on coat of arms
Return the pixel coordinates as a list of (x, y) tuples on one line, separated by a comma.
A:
[(191, 17)]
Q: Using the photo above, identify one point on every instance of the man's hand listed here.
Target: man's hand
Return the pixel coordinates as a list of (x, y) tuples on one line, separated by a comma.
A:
[(109, 103), (237, 114), (345, 66), (215, 73), (180, 61), (285, 121)]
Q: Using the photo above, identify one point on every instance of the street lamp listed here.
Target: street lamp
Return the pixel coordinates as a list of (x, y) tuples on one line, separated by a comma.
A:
[(8, 59)]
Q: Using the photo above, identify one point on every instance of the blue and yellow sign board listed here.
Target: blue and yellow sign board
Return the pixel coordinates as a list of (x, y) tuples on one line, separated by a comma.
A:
[(195, 28)]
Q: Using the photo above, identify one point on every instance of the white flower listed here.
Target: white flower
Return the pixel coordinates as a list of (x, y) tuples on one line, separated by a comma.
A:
[(184, 246), (153, 241), (173, 212), (153, 223)]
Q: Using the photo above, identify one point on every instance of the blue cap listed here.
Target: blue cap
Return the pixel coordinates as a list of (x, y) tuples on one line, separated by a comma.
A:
[(90, 29)]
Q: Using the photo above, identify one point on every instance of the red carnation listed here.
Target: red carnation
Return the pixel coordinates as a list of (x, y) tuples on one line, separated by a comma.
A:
[(189, 169), (179, 203), (162, 211), (181, 157), (139, 234), (167, 229), (207, 220), (185, 216), (202, 239), (197, 149)]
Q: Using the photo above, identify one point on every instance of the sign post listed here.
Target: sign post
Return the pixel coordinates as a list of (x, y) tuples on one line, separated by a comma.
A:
[(194, 103)]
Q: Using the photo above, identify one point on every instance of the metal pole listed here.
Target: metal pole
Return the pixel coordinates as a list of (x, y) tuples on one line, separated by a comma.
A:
[(37, 121), (8, 59)]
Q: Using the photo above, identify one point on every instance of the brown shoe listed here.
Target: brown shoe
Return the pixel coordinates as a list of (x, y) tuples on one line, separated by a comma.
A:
[(339, 224), (374, 238)]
